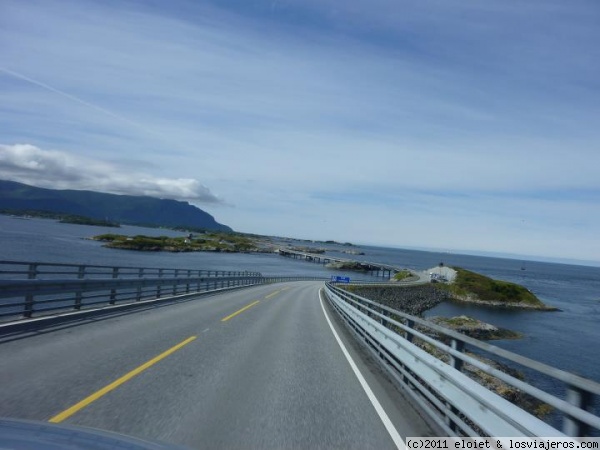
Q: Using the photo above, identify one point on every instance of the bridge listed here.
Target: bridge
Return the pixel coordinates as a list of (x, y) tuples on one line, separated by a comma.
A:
[(372, 268), (217, 359)]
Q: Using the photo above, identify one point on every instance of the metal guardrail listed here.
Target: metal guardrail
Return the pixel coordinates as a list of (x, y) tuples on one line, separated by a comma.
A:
[(455, 402), (43, 270), (29, 289)]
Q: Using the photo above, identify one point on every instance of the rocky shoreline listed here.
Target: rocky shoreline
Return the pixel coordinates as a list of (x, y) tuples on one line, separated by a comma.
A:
[(412, 300), (498, 304)]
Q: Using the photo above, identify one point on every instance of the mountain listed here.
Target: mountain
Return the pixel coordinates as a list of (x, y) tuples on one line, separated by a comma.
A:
[(97, 205)]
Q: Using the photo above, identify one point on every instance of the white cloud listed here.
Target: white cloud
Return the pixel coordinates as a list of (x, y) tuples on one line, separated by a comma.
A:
[(61, 170)]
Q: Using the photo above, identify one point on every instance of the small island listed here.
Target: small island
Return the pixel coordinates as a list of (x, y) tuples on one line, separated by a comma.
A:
[(355, 266), (475, 328), (332, 242), (208, 242), (475, 288), (61, 217), (312, 250), (82, 220), (353, 252)]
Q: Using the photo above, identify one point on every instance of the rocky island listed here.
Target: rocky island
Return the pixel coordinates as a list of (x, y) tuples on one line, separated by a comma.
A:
[(353, 252), (82, 220), (475, 288), (355, 266), (475, 328), (208, 242), (313, 250)]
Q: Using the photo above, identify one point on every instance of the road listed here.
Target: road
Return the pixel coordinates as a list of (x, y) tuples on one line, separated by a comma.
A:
[(254, 368)]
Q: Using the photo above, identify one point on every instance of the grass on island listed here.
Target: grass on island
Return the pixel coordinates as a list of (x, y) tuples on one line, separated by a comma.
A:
[(403, 274), (460, 321), (209, 242), (347, 265), (469, 284), (476, 328)]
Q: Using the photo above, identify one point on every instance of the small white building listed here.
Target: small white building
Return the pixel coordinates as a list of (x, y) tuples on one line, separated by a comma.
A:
[(442, 273)]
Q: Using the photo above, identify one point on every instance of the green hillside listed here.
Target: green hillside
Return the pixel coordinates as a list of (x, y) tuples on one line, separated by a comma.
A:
[(127, 209)]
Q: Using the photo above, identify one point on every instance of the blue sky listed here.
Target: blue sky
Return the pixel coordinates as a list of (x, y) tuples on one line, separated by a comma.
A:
[(456, 125)]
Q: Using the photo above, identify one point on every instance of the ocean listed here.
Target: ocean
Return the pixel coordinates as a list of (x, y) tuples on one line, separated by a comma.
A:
[(567, 339)]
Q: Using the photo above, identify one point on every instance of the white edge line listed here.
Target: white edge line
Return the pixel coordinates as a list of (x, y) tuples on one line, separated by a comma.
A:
[(389, 426)]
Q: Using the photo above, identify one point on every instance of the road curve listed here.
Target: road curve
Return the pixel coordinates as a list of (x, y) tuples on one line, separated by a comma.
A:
[(253, 368)]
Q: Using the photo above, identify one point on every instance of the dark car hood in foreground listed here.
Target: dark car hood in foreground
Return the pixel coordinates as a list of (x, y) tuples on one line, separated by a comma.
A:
[(30, 435)]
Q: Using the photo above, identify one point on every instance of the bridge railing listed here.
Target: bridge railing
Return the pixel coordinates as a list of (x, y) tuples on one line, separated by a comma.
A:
[(43, 270), (29, 289), (433, 374)]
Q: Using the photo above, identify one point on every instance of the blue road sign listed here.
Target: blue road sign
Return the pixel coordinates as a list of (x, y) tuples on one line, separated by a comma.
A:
[(339, 279)]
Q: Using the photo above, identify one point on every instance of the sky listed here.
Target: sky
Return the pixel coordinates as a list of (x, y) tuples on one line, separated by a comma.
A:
[(455, 125)]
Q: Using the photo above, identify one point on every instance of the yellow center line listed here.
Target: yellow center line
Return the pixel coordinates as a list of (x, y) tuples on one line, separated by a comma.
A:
[(225, 319), (115, 384), (272, 294), (285, 288)]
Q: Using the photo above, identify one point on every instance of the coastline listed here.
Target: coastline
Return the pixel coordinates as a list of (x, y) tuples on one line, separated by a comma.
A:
[(502, 305)]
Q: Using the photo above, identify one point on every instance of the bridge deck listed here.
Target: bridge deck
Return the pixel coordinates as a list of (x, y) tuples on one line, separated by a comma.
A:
[(323, 258)]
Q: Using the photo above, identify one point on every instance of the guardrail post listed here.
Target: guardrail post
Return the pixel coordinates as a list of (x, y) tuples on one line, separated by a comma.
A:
[(175, 283), (31, 275), (459, 346), (410, 324), (113, 292), (139, 289), (159, 287), (79, 294), (580, 399), (187, 285), (456, 363), (383, 320), (452, 409)]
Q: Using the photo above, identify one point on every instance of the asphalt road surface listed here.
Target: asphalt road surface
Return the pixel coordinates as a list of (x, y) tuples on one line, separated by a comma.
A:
[(263, 367)]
